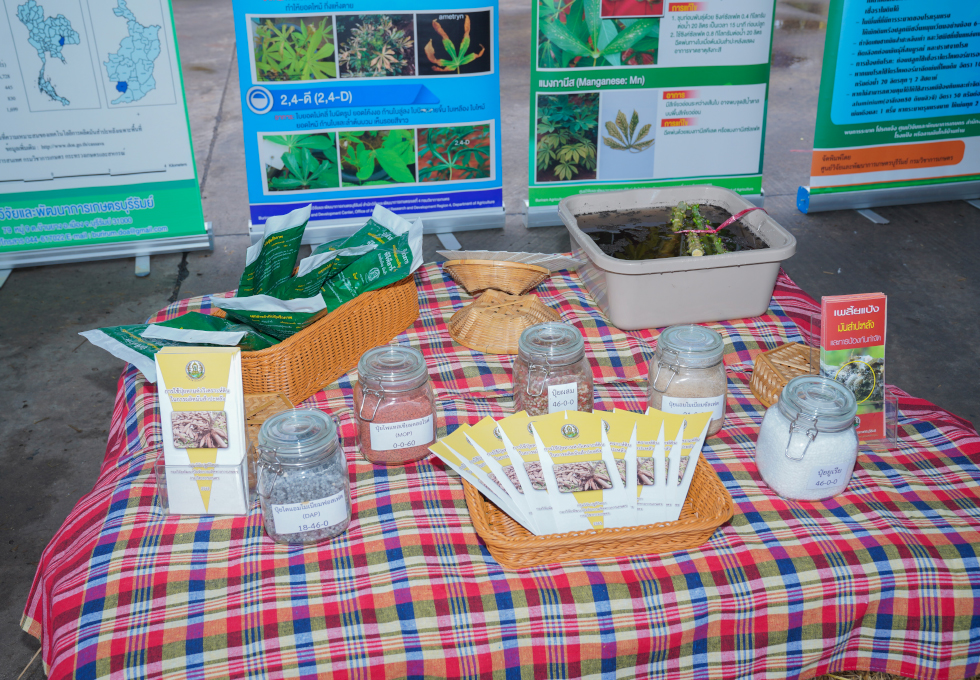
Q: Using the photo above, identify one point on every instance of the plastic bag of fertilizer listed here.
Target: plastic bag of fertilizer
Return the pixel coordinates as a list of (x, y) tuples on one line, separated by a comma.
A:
[(270, 261), (195, 328), (386, 264), (270, 315), (315, 269), (383, 226), (127, 343)]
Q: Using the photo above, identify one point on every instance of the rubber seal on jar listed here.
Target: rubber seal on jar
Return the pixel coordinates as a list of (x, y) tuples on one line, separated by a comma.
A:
[(378, 395), (810, 431), (536, 381)]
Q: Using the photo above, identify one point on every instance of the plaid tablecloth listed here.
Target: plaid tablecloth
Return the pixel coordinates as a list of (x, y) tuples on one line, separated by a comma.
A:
[(884, 577)]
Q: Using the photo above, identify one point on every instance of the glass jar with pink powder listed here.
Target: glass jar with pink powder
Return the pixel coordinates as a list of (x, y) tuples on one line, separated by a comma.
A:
[(394, 405)]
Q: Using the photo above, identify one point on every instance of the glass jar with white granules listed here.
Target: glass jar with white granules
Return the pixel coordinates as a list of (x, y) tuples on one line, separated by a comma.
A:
[(302, 479), (394, 405), (687, 374), (551, 372), (808, 441)]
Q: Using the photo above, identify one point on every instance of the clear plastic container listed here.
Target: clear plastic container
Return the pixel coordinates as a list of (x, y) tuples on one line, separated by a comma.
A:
[(551, 372), (687, 374), (808, 441), (302, 479), (394, 405)]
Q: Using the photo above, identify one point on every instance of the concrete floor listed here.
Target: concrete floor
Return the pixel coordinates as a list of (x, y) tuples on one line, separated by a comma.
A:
[(58, 390)]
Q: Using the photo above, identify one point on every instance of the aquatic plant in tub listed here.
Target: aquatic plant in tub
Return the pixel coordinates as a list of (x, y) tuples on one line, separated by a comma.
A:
[(664, 291)]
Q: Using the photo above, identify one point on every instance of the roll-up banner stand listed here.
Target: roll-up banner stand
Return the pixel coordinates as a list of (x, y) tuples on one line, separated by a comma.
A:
[(898, 119), (96, 160), (628, 94), (350, 104)]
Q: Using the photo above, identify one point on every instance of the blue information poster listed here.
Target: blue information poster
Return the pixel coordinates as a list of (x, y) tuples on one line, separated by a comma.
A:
[(350, 104)]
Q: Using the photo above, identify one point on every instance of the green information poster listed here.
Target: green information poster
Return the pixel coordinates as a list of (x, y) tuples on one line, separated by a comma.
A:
[(898, 120), (96, 159), (632, 93)]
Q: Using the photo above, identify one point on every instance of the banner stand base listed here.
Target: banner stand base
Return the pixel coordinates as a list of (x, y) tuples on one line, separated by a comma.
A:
[(547, 216), (108, 251), (877, 198), (433, 223)]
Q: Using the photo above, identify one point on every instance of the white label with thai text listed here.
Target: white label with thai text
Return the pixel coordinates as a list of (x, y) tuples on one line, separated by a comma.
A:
[(563, 397), (687, 406), (402, 435), (829, 477), (292, 518)]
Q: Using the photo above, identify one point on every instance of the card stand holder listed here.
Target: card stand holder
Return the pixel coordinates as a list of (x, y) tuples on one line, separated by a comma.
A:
[(707, 507)]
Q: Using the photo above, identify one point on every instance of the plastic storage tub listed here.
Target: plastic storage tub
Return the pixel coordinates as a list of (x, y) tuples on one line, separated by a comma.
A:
[(655, 293)]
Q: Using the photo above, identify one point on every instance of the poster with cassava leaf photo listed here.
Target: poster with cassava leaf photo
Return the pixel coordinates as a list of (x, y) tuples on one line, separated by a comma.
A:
[(376, 45), (567, 134), (457, 43), (300, 162), (454, 153), (294, 48), (575, 35), (377, 157)]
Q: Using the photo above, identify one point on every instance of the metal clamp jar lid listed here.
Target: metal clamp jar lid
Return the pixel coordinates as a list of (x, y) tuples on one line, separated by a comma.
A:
[(390, 368), (296, 438), (687, 346), (547, 345), (814, 404)]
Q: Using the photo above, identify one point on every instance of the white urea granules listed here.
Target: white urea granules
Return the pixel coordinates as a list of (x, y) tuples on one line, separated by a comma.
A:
[(824, 470)]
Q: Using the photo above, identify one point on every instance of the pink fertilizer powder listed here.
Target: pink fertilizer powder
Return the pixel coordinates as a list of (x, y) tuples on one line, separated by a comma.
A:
[(402, 428)]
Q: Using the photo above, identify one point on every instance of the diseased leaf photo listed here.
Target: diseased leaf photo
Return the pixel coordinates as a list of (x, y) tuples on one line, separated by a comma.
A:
[(567, 134), (454, 153), (294, 48), (574, 35), (305, 162), (455, 43), (376, 45), (377, 157)]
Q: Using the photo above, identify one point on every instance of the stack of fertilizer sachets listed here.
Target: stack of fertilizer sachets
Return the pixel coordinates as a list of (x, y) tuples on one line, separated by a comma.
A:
[(575, 471), (272, 303)]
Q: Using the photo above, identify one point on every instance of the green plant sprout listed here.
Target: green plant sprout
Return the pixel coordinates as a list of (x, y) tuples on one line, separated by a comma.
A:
[(623, 138), (456, 59), (574, 34), (567, 132), (377, 157), (377, 48), (283, 53), (455, 153), (304, 170)]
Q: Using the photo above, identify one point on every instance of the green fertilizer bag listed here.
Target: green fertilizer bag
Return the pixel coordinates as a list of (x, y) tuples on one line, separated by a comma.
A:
[(127, 343), (383, 226), (272, 316), (386, 264), (315, 269), (195, 328), (270, 261)]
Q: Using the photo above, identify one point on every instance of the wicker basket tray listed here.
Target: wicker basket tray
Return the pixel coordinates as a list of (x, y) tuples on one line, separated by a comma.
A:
[(515, 278), (493, 324), (305, 363), (707, 507), (775, 368)]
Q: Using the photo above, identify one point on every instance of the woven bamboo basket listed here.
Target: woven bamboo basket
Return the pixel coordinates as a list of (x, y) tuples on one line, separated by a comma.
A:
[(305, 363), (775, 368), (515, 278), (708, 506), (494, 323)]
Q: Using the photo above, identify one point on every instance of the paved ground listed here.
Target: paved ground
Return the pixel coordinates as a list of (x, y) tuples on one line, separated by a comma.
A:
[(58, 390)]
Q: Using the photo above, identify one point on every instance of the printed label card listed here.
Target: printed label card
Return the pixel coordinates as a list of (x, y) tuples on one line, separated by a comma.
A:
[(651, 461), (619, 438), (571, 450), (522, 447), (487, 438), (684, 456)]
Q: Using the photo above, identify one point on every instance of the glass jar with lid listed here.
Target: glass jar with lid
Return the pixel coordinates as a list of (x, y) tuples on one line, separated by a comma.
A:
[(687, 374), (808, 441), (551, 372), (302, 479), (394, 405)]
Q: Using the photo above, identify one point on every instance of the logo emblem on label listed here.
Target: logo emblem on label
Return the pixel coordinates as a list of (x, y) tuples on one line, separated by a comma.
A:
[(569, 431), (374, 274), (259, 99), (194, 370), (496, 433)]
